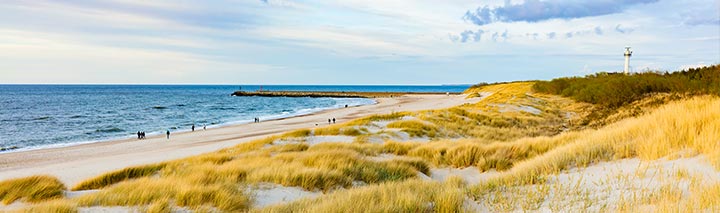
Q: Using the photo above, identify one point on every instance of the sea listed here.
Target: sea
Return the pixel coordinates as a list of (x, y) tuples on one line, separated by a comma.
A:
[(45, 116)]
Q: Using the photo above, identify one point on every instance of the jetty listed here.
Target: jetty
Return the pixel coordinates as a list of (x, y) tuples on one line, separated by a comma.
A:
[(329, 94)]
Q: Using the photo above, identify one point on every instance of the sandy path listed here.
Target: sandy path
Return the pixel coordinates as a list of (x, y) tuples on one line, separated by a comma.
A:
[(76, 163)]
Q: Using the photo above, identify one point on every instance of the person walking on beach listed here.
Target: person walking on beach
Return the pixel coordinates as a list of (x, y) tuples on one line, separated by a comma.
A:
[(333, 120), (138, 134), (142, 135), (193, 128), (204, 127), (168, 134), (329, 120)]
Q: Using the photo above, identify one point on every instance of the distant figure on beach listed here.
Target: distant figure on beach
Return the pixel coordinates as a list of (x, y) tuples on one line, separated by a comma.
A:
[(345, 105), (204, 127), (168, 134), (333, 120), (329, 120), (138, 134), (142, 135), (192, 128)]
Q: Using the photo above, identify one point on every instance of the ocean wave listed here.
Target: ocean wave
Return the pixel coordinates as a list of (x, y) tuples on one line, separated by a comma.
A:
[(114, 129), (223, 108), (41, 118)]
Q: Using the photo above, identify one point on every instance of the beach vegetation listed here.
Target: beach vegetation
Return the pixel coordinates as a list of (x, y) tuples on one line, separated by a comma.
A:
[(31, 189), (403, 196), (617, 89), (415, 128), (118, 176), (55, 206), (297, 133), (147, 191)]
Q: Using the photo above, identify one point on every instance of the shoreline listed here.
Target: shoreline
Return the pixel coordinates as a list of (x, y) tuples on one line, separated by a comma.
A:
[(73, 164), (272, 117)]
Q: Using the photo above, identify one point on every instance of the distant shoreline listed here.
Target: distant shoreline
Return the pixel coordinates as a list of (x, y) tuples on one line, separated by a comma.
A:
[(330, 94)]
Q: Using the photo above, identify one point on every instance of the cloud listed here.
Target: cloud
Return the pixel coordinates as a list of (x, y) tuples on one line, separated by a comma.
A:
[(551, 35), (282, 3), (697, 19), (598, 30), (467, 35), (495, 36), (624, 30), (534, 36), (536, 10)]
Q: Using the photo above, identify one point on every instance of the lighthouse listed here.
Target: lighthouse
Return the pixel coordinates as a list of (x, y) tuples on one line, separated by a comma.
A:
[(628, 53)]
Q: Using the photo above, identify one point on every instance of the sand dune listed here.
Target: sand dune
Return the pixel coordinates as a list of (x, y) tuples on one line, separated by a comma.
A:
[(75, 163)]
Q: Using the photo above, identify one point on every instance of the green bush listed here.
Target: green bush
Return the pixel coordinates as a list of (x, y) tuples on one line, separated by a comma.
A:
[(613, 90)]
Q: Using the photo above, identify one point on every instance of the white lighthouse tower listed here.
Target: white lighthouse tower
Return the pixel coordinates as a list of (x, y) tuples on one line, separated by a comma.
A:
[(628, 53)]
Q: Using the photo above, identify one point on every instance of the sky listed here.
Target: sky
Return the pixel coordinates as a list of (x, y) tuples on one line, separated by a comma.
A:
[(398, 42)]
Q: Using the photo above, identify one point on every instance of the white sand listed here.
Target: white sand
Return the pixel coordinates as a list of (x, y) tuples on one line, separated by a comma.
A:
[(313, 140), (76, 163), (602, 186), (267, 194), (471, 175)]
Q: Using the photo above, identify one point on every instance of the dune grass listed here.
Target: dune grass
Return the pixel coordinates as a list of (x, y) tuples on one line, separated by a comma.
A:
[(31, 189), (487, 155), (118, 176), (405, 196), (55, 206), (296, 134), (689, 124), (415, 128), (146, 191)]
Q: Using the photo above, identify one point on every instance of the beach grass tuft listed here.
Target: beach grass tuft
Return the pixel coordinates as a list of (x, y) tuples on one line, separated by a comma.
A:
[(110, 178), (55, 206), (31, 189), (404, 196), (147, 191)]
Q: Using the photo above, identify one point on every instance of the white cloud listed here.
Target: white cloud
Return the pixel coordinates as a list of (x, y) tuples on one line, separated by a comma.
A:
[(35, 57)]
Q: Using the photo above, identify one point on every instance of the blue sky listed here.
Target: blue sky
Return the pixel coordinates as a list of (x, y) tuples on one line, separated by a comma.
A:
[(348, 41)]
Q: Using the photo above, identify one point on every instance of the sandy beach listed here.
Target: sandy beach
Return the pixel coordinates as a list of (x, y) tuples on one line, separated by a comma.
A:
[(76, 163)]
